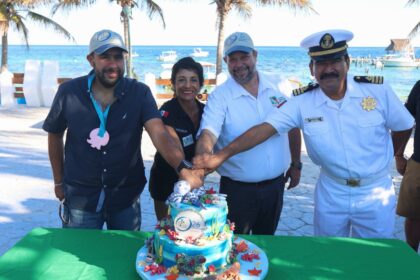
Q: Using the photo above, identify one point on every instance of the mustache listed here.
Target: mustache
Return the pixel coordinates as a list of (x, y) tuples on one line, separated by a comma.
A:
[(329, 75), (112, 69)]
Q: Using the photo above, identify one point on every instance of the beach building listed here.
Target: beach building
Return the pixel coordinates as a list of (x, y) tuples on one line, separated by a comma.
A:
[(400, 53)]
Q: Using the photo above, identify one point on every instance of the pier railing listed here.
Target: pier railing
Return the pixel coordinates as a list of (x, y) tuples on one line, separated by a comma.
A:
[(162, 88)]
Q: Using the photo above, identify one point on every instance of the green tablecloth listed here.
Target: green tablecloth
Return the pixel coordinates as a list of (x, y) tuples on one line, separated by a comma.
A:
[(95, 254)]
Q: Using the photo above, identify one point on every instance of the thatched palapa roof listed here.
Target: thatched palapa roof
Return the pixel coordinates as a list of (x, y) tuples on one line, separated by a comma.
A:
[(399, 45)]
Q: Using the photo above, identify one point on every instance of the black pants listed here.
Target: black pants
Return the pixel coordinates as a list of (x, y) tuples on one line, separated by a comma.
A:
[(254, 207)]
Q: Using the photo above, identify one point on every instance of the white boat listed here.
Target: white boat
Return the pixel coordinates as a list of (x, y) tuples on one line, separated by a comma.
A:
[(198, 52), (134, 54), (403, 60), (400, 53), (168, 56)]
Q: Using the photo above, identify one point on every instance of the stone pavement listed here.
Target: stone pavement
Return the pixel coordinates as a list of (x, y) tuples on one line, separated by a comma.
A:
[(26, 192)]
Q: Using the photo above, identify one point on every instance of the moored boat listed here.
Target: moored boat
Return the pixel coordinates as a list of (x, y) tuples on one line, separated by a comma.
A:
[(400, 53), (198, 52), (167, 56)]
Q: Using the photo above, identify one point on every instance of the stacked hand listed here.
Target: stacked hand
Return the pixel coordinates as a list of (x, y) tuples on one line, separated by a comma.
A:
[(195, 177), (208, 162)]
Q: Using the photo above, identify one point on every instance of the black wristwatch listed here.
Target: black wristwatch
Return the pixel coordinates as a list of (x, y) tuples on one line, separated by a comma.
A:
[(184, 164), (296, 164)]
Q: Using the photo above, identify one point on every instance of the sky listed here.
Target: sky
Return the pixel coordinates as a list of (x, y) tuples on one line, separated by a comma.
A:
[(192, 22)]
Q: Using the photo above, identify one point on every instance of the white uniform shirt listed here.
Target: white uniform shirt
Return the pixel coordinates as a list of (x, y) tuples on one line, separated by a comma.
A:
[(346, 141), (229, 112)]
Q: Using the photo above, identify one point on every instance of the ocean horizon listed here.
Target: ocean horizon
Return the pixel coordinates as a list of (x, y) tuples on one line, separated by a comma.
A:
[(290, 62)]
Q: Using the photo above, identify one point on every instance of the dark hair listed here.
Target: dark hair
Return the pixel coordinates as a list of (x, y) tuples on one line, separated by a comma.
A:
[(189, 64)]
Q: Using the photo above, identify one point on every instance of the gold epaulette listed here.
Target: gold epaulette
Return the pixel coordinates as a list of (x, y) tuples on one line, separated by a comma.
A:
[(369, 79), (304, 89)]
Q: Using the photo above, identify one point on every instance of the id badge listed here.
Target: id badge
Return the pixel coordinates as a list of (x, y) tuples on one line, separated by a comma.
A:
[(187, 140)]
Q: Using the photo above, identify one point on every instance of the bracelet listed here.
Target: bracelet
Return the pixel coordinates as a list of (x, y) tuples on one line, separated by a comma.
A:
[(401, 156), (58, 184)]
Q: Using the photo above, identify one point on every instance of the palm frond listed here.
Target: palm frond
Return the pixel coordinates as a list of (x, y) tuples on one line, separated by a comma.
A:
[(17, 22), (412, 2), (153, 9), (49, 23), (69, 5), (295, 5), (243, 9), (415, 31)]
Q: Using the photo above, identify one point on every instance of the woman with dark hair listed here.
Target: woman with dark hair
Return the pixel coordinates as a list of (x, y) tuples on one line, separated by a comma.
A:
[(181, 116)]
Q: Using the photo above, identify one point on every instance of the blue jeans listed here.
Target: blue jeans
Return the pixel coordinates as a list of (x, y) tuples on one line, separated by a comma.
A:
[(125, 219)]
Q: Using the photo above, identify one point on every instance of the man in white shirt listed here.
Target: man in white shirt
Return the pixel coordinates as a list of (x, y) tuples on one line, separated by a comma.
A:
[(253, 181), (346, 123)]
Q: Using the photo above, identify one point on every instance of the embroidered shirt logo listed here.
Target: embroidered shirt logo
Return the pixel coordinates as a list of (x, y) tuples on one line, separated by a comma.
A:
[(278, 101), (164, 113)]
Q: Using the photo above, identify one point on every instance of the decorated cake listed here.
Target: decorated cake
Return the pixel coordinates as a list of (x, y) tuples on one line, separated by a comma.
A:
[(196, 240)]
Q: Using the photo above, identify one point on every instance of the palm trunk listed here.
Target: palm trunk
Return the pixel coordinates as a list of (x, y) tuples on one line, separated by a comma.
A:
[(220, 38), (127, 37), (4, 52)]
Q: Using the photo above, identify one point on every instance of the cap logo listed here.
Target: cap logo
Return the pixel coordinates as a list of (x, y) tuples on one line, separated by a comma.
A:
[(103, 36), (236, 37), (327, 41), (231, 40)]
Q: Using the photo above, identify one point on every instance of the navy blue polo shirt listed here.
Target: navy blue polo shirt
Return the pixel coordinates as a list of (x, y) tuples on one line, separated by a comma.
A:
[(116, 168), (162, 175)]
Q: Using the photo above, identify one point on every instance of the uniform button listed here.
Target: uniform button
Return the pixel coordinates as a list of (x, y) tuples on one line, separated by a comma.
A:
[(104, 153), (105, 186), (105, 170)]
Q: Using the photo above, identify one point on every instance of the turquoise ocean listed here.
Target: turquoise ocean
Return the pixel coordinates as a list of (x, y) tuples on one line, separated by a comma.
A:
[(292, 62)]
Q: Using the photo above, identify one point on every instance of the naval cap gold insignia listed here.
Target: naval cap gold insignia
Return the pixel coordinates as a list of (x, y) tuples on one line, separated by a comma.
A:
[(327, 41), (368, 103)]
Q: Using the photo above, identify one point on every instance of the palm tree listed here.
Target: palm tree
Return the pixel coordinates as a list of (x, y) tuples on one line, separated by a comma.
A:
[(126, 9), (223, 7), (14, 14), (416, 30)]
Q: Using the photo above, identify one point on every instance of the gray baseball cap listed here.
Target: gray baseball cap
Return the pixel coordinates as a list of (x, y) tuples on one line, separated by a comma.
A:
[(104, 40), (238, 41)]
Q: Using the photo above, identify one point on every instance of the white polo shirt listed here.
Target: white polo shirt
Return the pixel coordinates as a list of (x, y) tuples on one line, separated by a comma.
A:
[(229, 112), (347, 141)]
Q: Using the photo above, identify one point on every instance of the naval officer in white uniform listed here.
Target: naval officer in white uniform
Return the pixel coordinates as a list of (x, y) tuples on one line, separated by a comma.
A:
[(346, 123)]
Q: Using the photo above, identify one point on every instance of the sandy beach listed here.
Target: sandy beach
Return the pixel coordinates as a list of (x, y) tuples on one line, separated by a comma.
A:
[(27, 200)]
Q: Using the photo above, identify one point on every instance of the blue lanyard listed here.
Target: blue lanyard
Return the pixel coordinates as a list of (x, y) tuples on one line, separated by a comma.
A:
[(103, 115)]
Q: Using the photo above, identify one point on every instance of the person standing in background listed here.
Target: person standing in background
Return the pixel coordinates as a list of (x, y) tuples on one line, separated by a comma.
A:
[(409, 197)]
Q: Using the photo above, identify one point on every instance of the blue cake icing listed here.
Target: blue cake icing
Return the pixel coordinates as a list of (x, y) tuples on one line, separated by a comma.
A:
[(214, 215), (215, 251), (199, 230)]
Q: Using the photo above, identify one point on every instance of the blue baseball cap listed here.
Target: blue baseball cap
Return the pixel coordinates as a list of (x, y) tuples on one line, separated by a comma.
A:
[(104, 40), (238, 42)]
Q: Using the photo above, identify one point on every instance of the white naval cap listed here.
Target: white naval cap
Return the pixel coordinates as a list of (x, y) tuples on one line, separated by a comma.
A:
[(327, 44)]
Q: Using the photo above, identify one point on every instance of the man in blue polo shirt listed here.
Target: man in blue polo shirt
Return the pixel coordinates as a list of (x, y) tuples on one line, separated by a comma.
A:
[(99, 172)]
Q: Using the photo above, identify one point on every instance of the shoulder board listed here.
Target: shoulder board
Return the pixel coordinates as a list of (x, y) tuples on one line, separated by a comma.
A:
[(369, 79), (304, 89)]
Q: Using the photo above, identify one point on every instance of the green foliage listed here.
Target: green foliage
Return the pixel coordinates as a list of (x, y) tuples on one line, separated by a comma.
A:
[(16, 14)]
